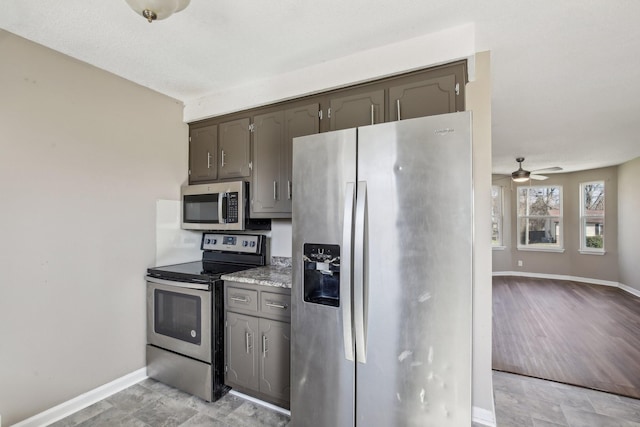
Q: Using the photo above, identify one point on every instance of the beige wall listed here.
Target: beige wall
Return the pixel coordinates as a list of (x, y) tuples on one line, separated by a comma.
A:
[(84, 156), (478, 100), (571, 262), (629, 223)]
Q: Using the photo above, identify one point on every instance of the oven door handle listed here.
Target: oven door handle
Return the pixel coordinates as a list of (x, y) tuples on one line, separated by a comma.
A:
[(199, 286)]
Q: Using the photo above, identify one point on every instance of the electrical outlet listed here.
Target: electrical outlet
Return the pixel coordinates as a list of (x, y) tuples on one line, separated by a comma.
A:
[(520, 263)]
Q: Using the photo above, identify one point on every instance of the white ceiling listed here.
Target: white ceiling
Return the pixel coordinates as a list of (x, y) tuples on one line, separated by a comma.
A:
[(565, 74)]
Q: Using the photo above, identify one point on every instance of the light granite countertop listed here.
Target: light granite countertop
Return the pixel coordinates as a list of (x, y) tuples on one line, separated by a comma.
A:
[(270, 275)]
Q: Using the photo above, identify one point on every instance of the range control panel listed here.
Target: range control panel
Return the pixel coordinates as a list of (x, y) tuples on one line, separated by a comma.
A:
[(231, 243)]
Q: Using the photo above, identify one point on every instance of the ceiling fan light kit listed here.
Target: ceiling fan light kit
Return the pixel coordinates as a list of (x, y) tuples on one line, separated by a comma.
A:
[(156, 10), (520, 175)]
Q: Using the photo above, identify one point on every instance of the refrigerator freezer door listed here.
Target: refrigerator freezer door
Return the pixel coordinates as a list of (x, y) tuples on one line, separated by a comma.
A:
[(322, 366), (417, 273)]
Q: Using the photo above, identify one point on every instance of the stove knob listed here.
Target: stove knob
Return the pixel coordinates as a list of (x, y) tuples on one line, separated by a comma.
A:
[(245, 243), (253, 244), (215, 241)]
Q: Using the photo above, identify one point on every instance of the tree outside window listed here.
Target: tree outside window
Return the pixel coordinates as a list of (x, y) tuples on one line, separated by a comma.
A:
[(540, 217), (592, 217)]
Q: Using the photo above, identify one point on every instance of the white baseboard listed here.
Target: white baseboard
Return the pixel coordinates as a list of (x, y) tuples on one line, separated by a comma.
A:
[(629, 289), (261, 402), (483, 417), (626, 288), (89, 398)]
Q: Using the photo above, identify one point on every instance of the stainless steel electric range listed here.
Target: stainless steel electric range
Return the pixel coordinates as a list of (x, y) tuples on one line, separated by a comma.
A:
[(185, 314)]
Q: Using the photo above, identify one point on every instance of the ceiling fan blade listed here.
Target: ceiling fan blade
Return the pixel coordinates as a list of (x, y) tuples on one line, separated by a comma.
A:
[(538, 177), (551, 169)]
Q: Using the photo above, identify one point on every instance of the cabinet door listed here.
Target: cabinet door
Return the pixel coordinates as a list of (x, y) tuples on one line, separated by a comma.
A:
[(267, 190), (424, 98), (234, 149), (241, 352), (300, 121), (275, 359), (203, 144), (357, 110)]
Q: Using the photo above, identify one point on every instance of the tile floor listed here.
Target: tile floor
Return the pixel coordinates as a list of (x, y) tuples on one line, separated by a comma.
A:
[(520, 402), (153, 404), (530, 402)]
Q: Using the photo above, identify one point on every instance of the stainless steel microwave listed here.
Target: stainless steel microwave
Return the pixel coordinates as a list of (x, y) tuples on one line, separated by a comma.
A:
[(219, 206)]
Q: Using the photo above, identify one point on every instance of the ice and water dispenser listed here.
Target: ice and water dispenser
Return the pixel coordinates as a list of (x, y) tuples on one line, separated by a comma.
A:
[(322, 274)]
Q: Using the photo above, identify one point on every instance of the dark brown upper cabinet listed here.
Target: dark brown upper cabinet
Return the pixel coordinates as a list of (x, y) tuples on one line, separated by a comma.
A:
[(426, 97), (234, 149), (360, 109), (256, 144), (203, 147), (272, 186), (268, 164)]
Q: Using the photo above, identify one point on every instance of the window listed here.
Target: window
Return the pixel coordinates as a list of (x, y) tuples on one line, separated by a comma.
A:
[(540, 218), (496, 216), (592, 217)]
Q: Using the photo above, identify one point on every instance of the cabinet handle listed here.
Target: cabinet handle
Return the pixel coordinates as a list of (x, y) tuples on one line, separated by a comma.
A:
[(247, 341), (208, 160), (239, 299), (274, 305), (398, 108), (275, 190), (222, 159), (264, 346), (289, 190), (372, 114)]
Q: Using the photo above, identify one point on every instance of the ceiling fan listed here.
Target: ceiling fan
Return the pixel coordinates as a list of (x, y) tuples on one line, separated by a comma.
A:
[(522, 175)]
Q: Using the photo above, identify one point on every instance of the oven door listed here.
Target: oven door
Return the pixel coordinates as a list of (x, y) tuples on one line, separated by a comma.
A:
[(179, 318)]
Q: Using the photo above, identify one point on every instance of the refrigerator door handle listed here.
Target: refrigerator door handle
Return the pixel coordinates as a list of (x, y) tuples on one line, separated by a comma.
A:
[(345, 267), (359, 306)]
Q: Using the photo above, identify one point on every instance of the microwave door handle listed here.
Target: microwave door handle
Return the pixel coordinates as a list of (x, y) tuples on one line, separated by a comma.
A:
[(225, 207), (220, 199)]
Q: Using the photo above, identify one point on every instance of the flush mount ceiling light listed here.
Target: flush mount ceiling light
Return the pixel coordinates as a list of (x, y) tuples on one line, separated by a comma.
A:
[(155, 10), (520, 175)]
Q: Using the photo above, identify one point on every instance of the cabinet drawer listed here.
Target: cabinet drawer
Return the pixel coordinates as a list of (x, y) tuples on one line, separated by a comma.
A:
[(275, 304), (244, 299)]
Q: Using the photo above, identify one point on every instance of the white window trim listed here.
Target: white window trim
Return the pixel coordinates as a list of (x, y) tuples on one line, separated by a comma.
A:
[(560, 245), (583, 249), (500, 244), (529, 249), (592, 252)]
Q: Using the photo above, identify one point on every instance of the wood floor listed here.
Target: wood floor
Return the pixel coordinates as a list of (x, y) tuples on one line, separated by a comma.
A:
[(570, 332)]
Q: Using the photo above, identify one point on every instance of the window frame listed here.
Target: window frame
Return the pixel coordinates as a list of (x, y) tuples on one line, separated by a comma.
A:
[(499, 244), (583, 249), (559, 245)]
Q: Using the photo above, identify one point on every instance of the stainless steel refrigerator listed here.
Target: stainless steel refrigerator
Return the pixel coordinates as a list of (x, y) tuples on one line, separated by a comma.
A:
[(382, 275)]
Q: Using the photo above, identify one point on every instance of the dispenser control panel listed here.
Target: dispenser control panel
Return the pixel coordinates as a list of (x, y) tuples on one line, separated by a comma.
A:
[(321, 274)]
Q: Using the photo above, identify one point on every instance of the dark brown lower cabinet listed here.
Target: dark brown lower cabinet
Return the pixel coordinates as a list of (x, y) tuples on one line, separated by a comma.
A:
[(257, 347)]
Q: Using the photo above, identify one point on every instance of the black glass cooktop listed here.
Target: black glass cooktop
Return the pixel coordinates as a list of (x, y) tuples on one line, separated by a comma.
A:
[(197, 271)]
